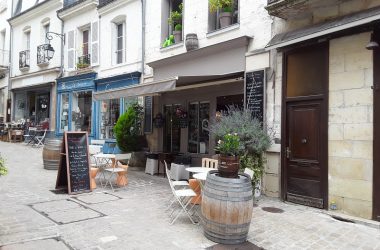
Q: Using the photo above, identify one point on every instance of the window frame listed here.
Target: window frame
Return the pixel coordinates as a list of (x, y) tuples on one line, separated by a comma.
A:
[(216, 22)]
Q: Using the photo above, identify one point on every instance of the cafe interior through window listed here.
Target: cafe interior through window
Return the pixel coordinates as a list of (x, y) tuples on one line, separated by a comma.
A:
[(81, 111), (109, 114), (199, 116)]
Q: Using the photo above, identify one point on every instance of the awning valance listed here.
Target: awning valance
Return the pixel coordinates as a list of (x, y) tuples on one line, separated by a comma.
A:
[(167, 85), (325, 28)]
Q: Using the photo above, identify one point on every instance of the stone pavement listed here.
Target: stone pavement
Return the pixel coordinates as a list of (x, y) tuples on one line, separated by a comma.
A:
[(33, 217)]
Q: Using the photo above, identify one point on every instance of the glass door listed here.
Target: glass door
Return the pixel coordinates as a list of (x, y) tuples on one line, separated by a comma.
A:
[(172, 130)]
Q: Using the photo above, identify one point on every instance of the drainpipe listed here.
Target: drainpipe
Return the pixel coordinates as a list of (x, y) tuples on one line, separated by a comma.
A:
[(143, 39), (62, 46), (10, 68)]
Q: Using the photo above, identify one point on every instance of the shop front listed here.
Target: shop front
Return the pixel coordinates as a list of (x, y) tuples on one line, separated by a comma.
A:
[(111, 109), (33, 105), (75, 108)]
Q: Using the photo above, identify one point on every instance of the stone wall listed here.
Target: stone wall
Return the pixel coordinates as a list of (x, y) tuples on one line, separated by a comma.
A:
[(351, 125)]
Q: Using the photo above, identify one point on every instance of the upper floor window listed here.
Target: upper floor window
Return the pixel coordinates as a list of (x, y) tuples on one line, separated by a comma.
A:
[(222, 13), (45, 28), (118, 39), (27, 40), (172, 22)]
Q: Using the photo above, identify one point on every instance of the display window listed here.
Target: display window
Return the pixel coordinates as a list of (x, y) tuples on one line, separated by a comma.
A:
[(109, 114), (81, 111)]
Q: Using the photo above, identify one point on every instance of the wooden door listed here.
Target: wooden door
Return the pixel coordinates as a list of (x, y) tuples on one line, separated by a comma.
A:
[(304, 126), (376, 131), (304, 153)]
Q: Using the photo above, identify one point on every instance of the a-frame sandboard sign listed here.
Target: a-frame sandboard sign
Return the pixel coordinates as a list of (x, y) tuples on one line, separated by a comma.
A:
[(74, 164)]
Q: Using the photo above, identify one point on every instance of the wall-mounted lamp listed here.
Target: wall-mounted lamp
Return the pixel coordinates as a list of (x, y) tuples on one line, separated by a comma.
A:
[(372, 44), (50, 49)]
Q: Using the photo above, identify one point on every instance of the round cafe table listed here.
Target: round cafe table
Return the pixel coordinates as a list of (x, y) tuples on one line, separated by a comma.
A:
[(200, 176), (198, 169)]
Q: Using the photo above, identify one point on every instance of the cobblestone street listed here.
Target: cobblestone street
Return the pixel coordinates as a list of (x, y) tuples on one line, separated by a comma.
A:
[(33, 217)]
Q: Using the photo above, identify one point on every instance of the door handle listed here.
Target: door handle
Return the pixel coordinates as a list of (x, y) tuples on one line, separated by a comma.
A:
[(287, 152)]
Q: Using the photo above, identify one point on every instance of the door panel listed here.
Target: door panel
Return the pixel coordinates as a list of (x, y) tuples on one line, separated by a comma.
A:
[(304, 153)]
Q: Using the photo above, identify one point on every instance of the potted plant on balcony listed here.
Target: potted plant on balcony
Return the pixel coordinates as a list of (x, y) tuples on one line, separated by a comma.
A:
[(225, 8), (175, 19)]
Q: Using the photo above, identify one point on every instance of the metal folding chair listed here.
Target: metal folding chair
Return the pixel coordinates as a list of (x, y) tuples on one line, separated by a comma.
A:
[(28, 138), (39, 139), (183, 197), (117, 170)]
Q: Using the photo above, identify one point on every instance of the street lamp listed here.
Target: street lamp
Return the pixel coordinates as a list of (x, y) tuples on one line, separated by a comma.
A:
[(50, 49)]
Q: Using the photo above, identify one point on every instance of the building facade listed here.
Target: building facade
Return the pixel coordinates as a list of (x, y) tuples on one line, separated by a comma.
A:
[(33, 72), (325, 77)]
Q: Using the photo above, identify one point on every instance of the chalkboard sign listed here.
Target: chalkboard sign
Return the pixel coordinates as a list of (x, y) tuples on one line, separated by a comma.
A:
[(148, 114), (254, 93), (74, 166)]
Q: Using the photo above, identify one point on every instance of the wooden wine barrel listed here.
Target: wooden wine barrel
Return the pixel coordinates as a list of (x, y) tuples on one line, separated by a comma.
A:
[(51, 153), (191, 42), (227, 208)]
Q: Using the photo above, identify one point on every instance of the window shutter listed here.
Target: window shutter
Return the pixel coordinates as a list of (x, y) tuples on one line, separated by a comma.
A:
[(95, 43), (71, 50)]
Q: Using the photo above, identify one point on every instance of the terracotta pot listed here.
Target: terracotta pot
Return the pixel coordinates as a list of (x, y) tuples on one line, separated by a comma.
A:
[(177, 36), (228, 166), (225, 19)]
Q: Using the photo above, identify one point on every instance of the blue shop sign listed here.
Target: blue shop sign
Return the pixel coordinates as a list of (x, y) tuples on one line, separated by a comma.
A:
[(118, 81), (85, 81)]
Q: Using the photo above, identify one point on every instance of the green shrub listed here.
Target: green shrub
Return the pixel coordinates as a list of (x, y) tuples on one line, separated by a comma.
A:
[(224, 5), (176, 16), (3, 169), (128, 129)]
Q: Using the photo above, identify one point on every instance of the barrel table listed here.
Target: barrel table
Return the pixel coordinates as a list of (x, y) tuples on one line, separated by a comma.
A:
[(227, 206), (51, 153)]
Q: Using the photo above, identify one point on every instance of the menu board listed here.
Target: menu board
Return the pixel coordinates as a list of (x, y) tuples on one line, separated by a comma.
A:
[(254, 93), (74, 167), (148, 114)]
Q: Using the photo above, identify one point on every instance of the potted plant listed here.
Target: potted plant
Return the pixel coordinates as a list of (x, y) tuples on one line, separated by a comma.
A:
[(3, 169), (177, 33), (225, 8), (175, 19), (255, 139), (229, 148)]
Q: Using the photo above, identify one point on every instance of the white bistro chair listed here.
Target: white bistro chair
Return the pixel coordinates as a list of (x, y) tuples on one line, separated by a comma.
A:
[(116, 170), (183, 198), (39, 139)]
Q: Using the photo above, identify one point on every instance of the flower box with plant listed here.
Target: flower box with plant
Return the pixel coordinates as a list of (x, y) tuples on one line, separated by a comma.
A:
[(225, 8), (82, 65), (175, 20)]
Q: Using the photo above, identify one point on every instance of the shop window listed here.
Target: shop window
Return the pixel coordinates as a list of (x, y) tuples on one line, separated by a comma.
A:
[(168, 8), (64, 113), (199, 116), (109, 114), (81, 111), (214, 16)]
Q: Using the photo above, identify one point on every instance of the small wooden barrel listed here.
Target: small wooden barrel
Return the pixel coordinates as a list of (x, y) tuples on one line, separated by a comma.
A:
[(191, 42), (227, 208), (51, 153)]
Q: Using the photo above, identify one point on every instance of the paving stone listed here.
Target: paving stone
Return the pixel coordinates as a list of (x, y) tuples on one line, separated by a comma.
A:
[(135, 216)]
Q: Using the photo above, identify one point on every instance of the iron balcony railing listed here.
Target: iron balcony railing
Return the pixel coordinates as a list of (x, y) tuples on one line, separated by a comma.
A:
[(24, 59), (4, 58), (42, 56), (84, 61)]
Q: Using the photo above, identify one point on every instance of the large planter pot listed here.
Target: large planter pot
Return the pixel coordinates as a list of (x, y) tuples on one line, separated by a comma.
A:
[(228, 166), (51, 153), (225, 19), (177, 36), (191, 42), (227, 206)]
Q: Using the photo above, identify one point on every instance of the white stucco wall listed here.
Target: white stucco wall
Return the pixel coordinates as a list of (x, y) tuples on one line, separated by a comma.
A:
[(131, 11), (254, 22), (34, 19)]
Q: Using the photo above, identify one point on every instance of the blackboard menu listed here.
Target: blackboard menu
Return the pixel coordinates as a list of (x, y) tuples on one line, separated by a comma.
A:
[(254, 93), (148, 114), (74, 167)]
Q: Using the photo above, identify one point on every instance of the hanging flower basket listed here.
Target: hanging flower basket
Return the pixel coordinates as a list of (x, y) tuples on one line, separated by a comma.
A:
[(182, 117), (158, 121)]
